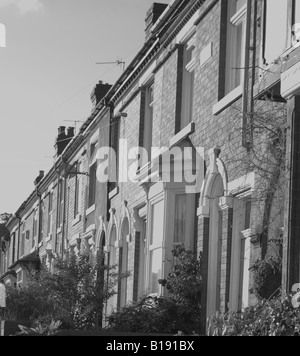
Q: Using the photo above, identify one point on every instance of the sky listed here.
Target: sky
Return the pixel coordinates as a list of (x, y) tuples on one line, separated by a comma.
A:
[(47, 72)]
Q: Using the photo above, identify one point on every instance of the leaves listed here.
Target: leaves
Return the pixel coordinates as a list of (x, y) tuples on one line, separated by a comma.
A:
[(74, 292), (276, 317)]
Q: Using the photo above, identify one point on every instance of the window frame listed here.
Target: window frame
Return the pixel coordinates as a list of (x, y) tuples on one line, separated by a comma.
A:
[(148, 118), (235, 18), (91, 197), (290, 44), (50, 214), (188, 79)]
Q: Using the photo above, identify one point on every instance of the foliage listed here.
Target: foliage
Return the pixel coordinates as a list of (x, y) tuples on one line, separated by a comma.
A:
[(73, 292), (40, 329), (179, 311), (4, 217), (276, 317), (267, 277)]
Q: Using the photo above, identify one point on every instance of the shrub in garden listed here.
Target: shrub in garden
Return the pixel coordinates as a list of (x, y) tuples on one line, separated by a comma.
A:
[(274, 317), (74, 293), (178, 311), (267, 277)]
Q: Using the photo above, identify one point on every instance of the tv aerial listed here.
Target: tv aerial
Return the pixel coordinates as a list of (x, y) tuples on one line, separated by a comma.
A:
[(119, 62)]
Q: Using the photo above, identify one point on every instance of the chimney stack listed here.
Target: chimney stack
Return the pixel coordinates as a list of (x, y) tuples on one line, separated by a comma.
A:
[(63, 138), (99, 92), (152, 16), (39, 178)]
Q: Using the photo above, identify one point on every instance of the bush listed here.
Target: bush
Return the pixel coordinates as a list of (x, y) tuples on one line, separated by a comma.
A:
[(74, 293), (179, 311), (274, 317), (267, 277)]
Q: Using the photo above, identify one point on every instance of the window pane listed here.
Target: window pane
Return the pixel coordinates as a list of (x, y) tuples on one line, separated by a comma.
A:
[(240, 4), (275, 32), (297, 12), (157, 224), (155, 270), (92, 187), (180, 218)]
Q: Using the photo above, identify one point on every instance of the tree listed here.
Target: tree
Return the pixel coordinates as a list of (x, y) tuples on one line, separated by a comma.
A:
[(74, 292), (4, 218)]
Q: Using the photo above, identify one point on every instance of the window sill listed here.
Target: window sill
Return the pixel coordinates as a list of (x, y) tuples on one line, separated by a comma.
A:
[(181, 135), (58, 230), (48, 238), (90, 209), (230, 98), (113, 193), (76, 220), (40, 244)]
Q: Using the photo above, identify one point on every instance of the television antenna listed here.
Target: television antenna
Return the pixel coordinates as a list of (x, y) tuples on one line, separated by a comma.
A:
[(119, 62), (75, 123)]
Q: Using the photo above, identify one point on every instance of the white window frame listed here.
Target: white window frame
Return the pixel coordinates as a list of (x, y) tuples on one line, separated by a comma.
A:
[(20, 272), (151, 247), (188, 77), (94, 145), (50, 214), (239, 277), (35, 229), (148, 119), (78, 192), (234, 20)]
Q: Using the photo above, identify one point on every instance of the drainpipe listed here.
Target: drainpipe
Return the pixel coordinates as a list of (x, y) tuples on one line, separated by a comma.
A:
[(19, 230), (64, 211), (246, 74), (254, 55), (40, 216)]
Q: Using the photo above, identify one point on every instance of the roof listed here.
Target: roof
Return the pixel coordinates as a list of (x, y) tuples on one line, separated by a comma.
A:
[(30, 258)]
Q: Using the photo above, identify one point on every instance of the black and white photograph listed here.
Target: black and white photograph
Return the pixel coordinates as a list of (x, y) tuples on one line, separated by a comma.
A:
[(150, 170)]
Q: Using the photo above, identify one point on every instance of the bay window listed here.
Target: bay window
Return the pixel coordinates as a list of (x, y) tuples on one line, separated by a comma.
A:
[(281, 27)]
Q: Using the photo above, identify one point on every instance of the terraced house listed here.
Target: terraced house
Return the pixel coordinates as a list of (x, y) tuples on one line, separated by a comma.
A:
[(198, 126)]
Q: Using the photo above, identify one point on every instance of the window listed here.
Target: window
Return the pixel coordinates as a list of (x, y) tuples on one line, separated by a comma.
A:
[(13, 248), (60, 210), (35, 227), (296, 12), (22, 242), (236, 26), (92, 174), (188, 76), (155, 247), (275, 29), (50, 208), (114, 159), (124, 262), (19, 277), (279, 18), (112, 261), (77, 191), (239, 288), (148, 120), (42, 213)]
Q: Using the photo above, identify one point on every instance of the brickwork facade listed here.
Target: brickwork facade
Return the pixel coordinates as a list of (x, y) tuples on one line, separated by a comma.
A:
[(175, 94)]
